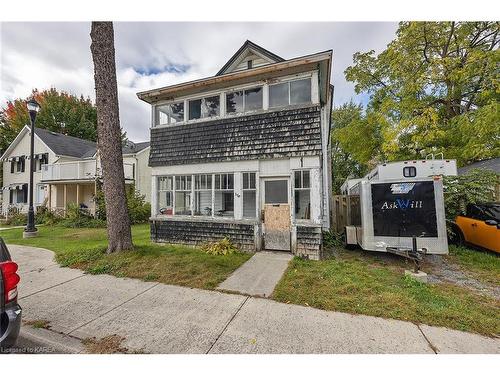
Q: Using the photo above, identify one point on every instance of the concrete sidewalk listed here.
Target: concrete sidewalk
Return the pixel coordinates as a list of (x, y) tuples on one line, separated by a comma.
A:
[(259, 275), (158, 318)]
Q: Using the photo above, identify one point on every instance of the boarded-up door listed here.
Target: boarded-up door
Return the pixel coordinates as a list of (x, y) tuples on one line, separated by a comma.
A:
[(276, 215)]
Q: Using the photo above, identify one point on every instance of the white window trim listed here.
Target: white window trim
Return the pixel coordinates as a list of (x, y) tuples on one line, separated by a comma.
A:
[(222, 93), (301, 221), (157, 215)]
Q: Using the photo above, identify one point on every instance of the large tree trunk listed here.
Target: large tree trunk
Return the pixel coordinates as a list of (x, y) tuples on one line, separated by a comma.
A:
[(109, 136)]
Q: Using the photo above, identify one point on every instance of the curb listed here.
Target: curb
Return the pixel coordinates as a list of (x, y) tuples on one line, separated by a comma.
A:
[(49, 341)]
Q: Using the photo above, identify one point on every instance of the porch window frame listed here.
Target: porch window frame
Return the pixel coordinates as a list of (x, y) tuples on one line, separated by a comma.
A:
[(288, 82), (301, 188), (245, 110), (249, 189)]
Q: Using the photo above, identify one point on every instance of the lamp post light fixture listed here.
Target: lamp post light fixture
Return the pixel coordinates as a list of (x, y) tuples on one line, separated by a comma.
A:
[(30, 230)]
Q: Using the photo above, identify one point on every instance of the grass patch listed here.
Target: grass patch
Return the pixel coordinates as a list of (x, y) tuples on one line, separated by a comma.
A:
[(361, 283), (85, 248), (37, 323), (111, 344), (482, 264)]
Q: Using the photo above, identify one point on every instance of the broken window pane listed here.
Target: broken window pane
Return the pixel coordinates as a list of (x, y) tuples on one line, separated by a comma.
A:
[(300, 91), (278, 95)]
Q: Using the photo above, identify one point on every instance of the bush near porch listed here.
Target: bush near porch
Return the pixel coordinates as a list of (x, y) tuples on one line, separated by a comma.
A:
[(84, 248), (359, 282)]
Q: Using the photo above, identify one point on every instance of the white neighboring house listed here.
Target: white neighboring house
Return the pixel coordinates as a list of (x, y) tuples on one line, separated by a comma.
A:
[(66, 171)]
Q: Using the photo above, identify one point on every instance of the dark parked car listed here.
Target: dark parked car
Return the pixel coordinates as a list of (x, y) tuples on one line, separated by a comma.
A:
[(10, 311)]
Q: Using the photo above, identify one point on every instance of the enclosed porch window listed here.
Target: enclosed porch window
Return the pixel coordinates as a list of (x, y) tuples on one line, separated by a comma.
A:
[(183, 195), (224, 194), (203, 195), (302, 193)]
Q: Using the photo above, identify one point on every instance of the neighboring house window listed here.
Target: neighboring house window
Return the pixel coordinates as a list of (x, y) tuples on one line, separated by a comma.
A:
[(165, 195), (409, 171), (18, 166), (44, 159), (19, 195), (182, 195), (249, 195), (224, 195), (203, 195), (244, 100), (302, 193), (169, 114), (205, 107), (290, 93)]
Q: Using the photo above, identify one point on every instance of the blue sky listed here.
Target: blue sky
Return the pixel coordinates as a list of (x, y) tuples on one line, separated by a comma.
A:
[(155, 54)]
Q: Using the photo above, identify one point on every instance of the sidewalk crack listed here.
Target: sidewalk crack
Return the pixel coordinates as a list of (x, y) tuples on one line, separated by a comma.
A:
[(49, 287), (114, 308), (227, 324), (431, 345)]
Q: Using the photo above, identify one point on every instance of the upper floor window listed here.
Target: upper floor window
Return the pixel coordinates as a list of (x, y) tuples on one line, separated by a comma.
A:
[(204, 107), (244, 100), (18, 165), (290, 93), (169, 113)]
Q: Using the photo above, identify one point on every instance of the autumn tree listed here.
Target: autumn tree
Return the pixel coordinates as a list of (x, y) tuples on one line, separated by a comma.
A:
[(435, 88), (110, 137), (60, 112)]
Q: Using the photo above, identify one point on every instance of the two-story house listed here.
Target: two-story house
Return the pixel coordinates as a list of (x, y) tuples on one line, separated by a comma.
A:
[(66, 171), (244, 154)]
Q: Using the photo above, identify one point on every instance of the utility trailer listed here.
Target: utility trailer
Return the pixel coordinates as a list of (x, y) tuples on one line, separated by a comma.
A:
[(398, 216)]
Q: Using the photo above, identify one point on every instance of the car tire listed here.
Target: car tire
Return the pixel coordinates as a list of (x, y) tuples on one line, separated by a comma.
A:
[(458, 239)]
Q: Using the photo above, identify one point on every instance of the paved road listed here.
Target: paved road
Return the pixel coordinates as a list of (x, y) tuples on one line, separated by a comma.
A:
[(159, 318)]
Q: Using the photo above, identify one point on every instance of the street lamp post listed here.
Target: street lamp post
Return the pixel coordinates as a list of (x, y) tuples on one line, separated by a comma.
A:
[(30, 230)]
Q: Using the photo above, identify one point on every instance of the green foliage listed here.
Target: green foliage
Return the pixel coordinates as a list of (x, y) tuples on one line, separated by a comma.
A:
[(477, 186), (435, 88), (16, 219), (346, 148), (139, 210), (42, 216), (78, 218), (221, 247), (332, 239)]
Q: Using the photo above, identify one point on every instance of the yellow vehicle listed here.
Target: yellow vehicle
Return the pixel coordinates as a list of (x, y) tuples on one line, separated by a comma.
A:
[(480, 226)]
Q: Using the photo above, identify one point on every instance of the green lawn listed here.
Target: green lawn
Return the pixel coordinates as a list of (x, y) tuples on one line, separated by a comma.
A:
[(482, 264), (361, 283), (84, 248)]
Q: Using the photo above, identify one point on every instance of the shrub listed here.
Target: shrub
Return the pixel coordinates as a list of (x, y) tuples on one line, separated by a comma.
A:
[(332, 239), (221, 247), (474, 187), (16, 219), (78, 218), (138, 209)]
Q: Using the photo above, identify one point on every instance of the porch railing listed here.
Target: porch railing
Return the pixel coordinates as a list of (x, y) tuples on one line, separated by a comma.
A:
[(79, 170)]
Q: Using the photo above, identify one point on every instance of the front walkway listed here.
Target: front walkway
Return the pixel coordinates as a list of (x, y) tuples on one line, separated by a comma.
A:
[(259, 275), (158, 318)]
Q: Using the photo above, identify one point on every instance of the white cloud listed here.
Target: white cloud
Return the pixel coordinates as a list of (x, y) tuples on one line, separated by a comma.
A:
[(43, 55)]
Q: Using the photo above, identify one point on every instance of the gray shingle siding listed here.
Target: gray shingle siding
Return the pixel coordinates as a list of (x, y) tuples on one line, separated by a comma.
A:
[(309, 242), (198, 232), (286, 133)]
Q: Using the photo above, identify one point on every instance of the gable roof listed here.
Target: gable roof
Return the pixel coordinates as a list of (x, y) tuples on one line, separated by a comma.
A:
[(133, 148), (66, 145), (247, 48)]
